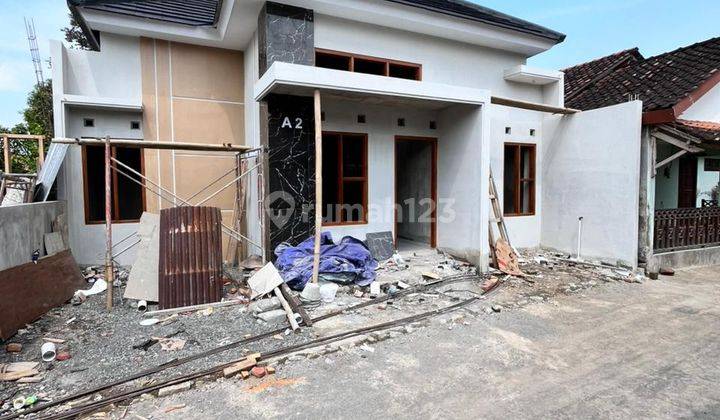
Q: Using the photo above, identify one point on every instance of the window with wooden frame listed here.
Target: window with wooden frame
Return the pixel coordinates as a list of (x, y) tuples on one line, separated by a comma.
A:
[(337, 60), (519, 180), (345, 180), (128, 198)]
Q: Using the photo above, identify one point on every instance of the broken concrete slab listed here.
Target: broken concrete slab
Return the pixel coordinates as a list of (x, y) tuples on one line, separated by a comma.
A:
[(265, 305), (275, 316), (264, 281), (143, 281), (381, 245), (54, 243)]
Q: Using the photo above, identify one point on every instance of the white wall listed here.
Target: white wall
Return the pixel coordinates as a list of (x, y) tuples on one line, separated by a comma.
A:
[(443, 61), (707, 108), (463, 161), (591, 169), (114, 72), (666, 179), (524, 231), (252, 138), (88, 241)]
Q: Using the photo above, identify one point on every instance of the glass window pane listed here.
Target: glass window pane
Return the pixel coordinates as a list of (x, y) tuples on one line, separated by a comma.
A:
[(526, 195), (353, 194), (510, 180), (353, 156), (526, 164)]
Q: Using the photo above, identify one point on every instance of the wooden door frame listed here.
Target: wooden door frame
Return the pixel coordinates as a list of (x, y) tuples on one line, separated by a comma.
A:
[(433, 183)]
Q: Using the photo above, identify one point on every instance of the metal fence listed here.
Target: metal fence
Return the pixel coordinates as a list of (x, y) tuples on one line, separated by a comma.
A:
[(678, 229)]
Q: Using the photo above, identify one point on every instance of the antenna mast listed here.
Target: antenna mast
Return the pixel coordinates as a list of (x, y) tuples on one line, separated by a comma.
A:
[(34, 50)]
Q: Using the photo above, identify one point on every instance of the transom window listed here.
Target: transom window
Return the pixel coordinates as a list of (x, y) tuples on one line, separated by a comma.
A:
[(344, 184), (519, 180), (369, 65), (128, 198)]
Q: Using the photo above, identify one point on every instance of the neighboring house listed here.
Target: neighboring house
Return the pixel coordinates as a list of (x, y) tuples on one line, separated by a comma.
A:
[(680, 91), (420, 98)]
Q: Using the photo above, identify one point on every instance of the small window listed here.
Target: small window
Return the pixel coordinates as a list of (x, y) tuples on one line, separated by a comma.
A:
[(712, 165), (88, 122), (508, 130), (532, 132), (401, 122), (519, 180), (337, 60), (433, 125), (344, 178), (128, 197), (361, 119), (134, 125)]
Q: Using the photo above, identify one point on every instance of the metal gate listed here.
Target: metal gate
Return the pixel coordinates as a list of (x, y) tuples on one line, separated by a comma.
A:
[(190, 256)]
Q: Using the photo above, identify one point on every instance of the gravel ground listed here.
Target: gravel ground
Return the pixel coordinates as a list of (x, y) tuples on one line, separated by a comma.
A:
[(101, 343)]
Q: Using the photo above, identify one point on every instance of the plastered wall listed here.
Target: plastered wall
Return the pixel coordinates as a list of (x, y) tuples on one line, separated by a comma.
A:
[(591, 169), (191, 94)]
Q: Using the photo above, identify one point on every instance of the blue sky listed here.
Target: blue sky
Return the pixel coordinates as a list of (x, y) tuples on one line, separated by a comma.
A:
[(594, 28)]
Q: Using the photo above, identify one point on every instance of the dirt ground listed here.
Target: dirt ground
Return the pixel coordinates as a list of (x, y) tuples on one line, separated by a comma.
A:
[(101, 343), (618, 350)]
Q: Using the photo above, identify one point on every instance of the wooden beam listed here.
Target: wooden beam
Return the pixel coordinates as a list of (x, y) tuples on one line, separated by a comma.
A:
[(109, 273), (318, 184), (41, 152), (533, 106), (22, 136), (685, 145), (670, 159), (6, 153), (141, 144)]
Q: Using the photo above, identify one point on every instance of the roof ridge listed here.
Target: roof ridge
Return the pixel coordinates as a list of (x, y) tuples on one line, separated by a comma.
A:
[(635, 49)]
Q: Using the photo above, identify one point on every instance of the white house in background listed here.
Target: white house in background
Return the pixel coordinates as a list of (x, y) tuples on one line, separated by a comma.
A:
[(420, 99), (680, 177)]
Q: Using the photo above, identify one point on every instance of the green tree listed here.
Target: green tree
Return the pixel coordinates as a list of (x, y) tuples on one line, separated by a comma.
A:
[(75, 36), (23, 154), (39, 112)]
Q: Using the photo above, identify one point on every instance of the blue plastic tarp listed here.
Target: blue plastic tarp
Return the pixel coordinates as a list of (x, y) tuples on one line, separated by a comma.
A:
[(349, 257)]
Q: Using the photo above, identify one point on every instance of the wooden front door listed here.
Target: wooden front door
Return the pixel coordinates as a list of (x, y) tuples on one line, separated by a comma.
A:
[(687, 183)]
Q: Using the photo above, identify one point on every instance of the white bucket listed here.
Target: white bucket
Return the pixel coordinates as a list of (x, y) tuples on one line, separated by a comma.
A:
[(48, 351), (328, 292)]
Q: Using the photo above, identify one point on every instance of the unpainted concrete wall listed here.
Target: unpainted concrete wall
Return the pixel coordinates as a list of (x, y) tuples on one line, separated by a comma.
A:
[(23, 228), (591, 169)]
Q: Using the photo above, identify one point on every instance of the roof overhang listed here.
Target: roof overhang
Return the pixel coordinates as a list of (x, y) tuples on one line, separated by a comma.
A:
[(532, 75), (102, 102), (668, 115), (295, 79)]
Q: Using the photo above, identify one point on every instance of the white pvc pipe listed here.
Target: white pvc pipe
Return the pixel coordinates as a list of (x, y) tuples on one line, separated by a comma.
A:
[(48, 352), (579, 243), (142, 306)]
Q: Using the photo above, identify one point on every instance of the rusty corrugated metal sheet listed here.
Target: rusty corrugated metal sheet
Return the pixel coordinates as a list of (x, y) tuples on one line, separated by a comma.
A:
[(190, 256)]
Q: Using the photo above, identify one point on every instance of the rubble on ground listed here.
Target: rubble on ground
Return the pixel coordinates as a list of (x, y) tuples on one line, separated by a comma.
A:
[(101, 347)]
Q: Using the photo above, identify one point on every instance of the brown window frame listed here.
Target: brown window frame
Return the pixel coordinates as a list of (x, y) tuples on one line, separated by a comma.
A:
[(519, 180), (342, 179), (388, 63), (115, 194)]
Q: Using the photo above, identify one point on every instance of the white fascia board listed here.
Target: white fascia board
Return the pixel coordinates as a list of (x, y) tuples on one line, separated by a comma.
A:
[(301, 76), (413, 19), (102, 102), (134, 26), (532, 75)]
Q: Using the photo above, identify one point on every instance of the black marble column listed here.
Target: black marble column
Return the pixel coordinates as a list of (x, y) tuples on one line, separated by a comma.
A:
[(291, 169), (286, 34)]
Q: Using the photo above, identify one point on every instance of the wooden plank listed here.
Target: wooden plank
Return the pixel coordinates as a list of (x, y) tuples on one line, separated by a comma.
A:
[(30, 290), (670, 159), (685, 145), (141, 144), (6, 153), (533, 106), (318, 181)]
